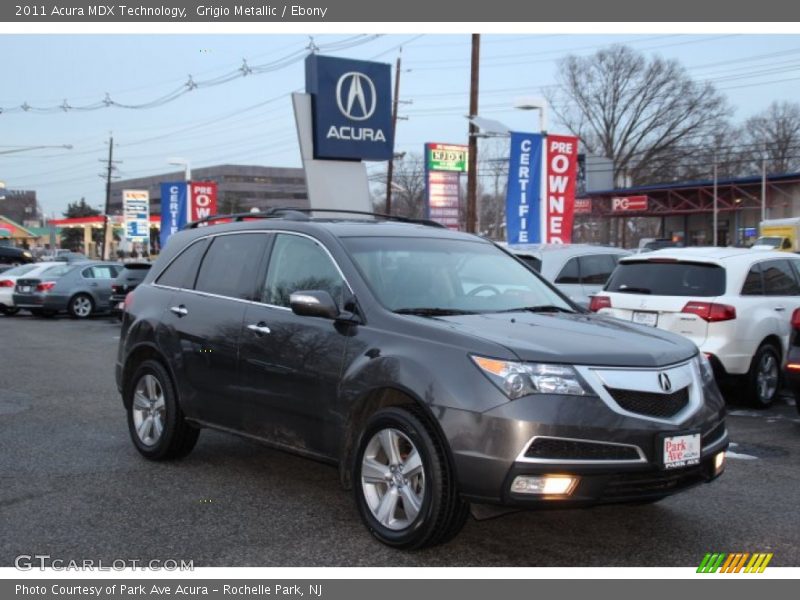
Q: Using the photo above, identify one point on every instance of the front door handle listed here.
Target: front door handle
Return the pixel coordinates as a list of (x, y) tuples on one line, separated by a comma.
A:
[(181, 310), (259, 329)]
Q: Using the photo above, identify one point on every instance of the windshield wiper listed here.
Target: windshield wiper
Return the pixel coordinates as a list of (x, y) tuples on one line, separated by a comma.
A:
[(434, 312), (632, 290), (542, 308)]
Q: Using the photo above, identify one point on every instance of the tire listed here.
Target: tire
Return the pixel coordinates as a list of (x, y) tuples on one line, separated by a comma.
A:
[(81, 306), (406, 502), (150, 395), (764, 377), (8, 311)]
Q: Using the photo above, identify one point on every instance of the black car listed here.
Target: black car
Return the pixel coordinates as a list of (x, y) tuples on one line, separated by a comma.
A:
[(131, 275), (433, 368), (9, 255)]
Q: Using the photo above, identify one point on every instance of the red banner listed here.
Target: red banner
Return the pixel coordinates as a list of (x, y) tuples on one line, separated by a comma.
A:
[(583, 206), (560, 175), (202, 200)]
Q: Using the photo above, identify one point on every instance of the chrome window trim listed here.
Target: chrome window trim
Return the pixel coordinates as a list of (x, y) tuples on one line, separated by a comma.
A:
[(257, 303), (568, 461), (695, 389)]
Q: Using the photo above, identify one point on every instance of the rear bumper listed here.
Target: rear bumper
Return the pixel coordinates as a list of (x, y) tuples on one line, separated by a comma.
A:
[(40, 301)]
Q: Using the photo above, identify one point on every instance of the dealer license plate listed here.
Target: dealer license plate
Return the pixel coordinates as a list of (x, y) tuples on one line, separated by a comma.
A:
[(645, 318), (681, 450)]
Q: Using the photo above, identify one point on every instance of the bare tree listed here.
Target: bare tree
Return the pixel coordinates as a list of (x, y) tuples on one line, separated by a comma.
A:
[(408, 188), (493, 181), (647, 115), (776, 132)]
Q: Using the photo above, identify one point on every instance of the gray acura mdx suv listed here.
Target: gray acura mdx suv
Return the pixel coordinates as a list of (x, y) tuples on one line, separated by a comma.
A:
[(432, 367)]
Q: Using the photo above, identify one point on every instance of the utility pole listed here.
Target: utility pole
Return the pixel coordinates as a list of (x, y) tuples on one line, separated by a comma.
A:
[(715, 198), (390, 173), (472, 172), (108, 175)]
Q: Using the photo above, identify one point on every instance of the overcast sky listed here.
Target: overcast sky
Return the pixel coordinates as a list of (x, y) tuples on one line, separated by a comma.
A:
[(249, 120)]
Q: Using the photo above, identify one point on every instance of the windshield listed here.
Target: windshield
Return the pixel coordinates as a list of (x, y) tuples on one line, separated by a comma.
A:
[(772, 242), (448, 276), (667, 279)]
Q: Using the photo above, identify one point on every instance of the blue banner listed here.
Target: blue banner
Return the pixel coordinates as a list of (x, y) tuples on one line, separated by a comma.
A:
[(173, 209), (352, 108), (523, 198)]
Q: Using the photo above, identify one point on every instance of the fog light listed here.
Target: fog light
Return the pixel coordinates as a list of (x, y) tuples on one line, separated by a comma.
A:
[(545, 485), (719, 463)]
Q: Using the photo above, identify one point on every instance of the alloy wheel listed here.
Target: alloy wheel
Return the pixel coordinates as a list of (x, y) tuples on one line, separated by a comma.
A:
[(767, 377), (82, 306), (393, 479), (149, 410)]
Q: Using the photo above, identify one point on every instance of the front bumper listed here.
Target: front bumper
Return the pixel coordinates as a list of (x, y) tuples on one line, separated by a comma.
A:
[(489, 449)]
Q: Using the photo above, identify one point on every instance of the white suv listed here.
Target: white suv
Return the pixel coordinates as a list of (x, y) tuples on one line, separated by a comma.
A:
[(735, 304)]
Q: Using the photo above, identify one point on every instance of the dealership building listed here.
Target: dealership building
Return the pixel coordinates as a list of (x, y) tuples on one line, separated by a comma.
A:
[(684, 211), (239, 187)]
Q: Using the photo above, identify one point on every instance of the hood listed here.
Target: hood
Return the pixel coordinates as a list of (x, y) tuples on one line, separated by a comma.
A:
[(576, 339)]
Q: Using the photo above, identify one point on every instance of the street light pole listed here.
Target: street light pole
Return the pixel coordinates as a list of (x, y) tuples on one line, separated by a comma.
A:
[(472, 168)]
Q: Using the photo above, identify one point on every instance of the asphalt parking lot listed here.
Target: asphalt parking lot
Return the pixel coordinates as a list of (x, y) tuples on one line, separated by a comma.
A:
[(72, 486)]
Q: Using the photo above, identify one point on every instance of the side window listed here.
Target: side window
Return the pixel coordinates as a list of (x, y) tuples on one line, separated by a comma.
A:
[(88, 273), (753, 284), (569, 274), (779, 279), (230, 266), (532, 262), (104, 272), (182, 271), (596, 268), (298, 263), (787, 245)]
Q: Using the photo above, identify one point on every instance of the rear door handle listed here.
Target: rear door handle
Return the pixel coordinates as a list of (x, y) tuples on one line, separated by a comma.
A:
[(181, 310), (259, 329)]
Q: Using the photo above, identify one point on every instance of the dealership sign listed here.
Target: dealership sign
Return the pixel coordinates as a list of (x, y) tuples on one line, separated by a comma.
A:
[(136, 215), (561, 175), (351, 108), (629, 204), (583, 206), (202, 200)]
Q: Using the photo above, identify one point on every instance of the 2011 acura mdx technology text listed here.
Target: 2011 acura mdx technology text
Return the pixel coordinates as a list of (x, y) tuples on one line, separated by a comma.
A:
[(435, 369)]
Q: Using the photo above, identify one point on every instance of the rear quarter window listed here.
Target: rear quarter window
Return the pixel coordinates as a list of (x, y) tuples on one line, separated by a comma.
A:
[(668, 279), (182, 271)]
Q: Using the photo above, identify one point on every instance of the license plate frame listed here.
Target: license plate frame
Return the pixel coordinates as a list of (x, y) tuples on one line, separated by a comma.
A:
[(694, 447), (645, 317)]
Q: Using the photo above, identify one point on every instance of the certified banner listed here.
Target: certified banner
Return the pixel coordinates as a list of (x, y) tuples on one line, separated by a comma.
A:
[(136, 212), (562, 165), (173, 209), (523, 198)]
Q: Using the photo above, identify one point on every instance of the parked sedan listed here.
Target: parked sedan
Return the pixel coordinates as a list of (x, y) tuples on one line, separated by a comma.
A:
[(577, 270), (8, 281), (10, 255), (80, 289), (792, 368), (131, 275)]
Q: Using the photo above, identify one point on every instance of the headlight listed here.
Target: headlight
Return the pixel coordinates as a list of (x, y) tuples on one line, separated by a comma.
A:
[(706, 370), (517, 379)]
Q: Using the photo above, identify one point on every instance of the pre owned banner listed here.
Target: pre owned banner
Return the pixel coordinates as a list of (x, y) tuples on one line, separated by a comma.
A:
[(523, 198), (562, 165), (203, 200)]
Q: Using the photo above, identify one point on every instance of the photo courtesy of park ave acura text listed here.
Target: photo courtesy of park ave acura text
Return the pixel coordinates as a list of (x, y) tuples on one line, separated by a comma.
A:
[(329, 294)]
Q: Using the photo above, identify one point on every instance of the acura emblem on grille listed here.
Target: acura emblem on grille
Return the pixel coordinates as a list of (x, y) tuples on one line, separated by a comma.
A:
[(664, 382)]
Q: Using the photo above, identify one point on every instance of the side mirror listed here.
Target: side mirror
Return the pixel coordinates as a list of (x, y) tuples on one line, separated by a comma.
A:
[(314, 303)]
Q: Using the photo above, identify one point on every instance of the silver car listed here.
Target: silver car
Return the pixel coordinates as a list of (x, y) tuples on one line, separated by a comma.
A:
[(80, 289), (577, 270)]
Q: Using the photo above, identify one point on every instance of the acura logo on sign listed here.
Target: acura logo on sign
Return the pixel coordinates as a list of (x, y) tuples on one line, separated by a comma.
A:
[(355, 96), (664, 382)]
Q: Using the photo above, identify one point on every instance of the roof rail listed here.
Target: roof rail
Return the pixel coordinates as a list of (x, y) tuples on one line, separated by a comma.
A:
[(285, 210), (236, 217), (302, 214)]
